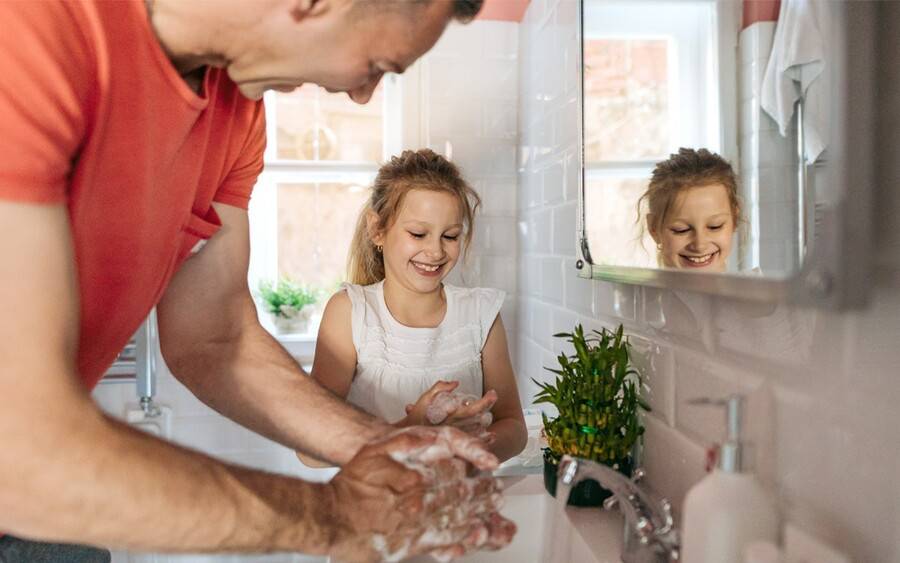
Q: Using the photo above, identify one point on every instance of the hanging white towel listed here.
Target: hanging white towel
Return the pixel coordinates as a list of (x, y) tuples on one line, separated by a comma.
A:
[(795, 69)]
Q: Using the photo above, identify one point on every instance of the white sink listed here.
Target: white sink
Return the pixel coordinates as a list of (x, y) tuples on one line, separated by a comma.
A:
[(579, 535)]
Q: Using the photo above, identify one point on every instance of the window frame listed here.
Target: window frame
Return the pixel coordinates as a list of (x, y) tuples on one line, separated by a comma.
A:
[(400, 127)]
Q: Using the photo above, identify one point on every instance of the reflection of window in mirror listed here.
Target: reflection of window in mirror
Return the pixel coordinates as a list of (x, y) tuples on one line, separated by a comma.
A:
[(650, 87)]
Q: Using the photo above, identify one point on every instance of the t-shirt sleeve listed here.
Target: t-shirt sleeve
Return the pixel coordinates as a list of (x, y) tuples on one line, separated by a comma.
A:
[(238, 184), (47, 74)]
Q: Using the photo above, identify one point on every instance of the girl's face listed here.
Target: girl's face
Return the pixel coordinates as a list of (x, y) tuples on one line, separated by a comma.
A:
[(698, 230), (423, 244)]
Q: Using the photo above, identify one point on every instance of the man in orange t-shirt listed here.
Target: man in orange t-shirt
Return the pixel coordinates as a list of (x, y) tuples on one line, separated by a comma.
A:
[(130, 133)]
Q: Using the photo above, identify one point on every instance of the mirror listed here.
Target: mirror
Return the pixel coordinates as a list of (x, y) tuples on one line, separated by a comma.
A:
[(685, 167)]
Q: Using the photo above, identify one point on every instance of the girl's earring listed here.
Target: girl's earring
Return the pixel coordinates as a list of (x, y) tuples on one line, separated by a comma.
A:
[(378, 248)]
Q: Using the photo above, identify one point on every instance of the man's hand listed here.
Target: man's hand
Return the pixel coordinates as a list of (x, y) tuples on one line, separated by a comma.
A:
[(413, 493)]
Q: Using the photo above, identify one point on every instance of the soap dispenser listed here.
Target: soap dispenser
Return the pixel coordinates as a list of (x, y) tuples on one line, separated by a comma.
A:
[(729, 508)]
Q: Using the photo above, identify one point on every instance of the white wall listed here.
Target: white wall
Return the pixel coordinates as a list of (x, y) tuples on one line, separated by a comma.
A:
[(470, 92), (824, 385)]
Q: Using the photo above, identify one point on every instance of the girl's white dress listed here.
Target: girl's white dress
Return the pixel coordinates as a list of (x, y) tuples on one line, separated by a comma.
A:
[(395, 363)]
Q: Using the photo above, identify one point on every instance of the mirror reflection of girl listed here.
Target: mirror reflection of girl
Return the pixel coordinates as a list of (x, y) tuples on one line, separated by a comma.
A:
[(396, 336), (693, 210)]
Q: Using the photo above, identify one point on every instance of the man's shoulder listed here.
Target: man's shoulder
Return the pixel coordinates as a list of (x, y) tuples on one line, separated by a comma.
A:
[(51, 30)]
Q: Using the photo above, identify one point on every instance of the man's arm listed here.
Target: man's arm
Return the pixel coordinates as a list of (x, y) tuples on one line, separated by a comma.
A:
[(335, 356), (68, 473), (212, 341)]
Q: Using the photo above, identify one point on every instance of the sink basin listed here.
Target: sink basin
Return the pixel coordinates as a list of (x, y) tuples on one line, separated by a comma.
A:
[(579, 535)]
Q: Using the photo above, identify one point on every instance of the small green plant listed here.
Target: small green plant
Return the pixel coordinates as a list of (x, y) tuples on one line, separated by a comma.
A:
[(286, 298), (597, 396)]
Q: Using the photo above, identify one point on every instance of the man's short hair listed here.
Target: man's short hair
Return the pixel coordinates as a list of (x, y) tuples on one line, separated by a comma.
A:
[(463, 11), (466, 10)]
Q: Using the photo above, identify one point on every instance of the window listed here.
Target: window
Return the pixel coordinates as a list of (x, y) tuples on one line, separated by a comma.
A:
[(649, 88), (323, 153)]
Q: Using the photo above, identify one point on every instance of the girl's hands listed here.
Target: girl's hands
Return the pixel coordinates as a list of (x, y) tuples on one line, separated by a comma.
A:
[(416, 414), (441, 405)]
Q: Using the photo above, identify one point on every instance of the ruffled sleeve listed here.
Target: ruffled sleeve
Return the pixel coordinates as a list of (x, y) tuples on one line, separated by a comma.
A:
[(357, 313), (489, 303)]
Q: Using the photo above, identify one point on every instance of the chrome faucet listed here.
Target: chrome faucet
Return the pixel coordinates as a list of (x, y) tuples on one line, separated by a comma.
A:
[(650, 534)]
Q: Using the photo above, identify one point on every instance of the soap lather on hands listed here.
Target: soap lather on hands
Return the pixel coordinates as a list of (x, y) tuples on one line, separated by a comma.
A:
[(441, 404), (439, 496)]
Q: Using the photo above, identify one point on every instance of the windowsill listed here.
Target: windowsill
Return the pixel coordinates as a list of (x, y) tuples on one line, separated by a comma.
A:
[(302, 346), (295, 338)]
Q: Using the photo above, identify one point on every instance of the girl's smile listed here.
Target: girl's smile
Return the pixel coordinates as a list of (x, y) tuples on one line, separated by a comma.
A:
[(427, 269)]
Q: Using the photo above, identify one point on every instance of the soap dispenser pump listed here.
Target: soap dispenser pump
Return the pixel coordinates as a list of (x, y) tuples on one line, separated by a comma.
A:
[(728, 509)]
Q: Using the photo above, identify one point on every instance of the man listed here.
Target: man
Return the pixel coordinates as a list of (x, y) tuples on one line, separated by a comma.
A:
[(128, 137)]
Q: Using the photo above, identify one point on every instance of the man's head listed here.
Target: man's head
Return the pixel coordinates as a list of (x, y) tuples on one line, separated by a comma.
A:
[(342, 45)]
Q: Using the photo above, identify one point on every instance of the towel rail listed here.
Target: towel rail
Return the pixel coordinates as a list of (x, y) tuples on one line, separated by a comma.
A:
[(805, 200), (801, 183), (136, 363)]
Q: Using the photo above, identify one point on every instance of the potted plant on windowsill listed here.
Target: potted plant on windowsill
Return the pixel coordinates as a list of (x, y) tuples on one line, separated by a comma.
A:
[(597, 398), (290, 304)]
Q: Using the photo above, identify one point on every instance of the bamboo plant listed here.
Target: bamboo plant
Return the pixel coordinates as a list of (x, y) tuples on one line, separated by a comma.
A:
[(597, 397)]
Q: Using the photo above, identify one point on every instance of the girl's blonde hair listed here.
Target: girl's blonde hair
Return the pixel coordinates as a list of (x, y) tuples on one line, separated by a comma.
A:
[(423, 169), (688, 169)]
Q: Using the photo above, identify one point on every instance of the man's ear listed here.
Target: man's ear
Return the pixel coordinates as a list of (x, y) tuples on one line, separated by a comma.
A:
[(372, 228), (310, 8)]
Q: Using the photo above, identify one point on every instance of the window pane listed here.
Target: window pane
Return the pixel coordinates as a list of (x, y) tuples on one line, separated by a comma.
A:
[(315, 226), (315, 125), (616, 234), (625, 99)]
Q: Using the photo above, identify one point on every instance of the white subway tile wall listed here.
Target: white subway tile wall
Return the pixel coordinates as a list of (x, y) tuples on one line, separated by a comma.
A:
[(767, 168), (823, 387)]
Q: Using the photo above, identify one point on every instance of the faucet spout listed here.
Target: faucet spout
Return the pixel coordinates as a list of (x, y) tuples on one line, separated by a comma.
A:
[(649, 525)]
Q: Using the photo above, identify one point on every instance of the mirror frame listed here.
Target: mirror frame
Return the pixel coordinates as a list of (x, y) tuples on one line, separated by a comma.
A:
[(836, 273)]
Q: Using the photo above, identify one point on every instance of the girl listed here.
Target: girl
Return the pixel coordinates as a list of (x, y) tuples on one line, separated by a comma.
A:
[(397, 336), (693, 210)]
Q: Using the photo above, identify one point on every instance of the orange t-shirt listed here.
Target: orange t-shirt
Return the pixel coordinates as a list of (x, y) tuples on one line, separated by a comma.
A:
[(95, 116)]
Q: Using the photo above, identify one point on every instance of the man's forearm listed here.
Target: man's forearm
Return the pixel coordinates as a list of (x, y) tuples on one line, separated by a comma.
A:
[(255, 382), (84, 478)]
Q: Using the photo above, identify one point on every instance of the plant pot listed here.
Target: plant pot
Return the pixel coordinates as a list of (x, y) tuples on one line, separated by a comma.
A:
[(295, 325), (587, 492)]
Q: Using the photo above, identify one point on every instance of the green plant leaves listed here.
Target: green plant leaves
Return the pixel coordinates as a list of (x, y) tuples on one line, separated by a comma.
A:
[(285, 293), (597, 396)]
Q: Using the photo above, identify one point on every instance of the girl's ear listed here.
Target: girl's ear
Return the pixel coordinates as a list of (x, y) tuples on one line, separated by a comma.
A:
[(651, 220), (374, 232)]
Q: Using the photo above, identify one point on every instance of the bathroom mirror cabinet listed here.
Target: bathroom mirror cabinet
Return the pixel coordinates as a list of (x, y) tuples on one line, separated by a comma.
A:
[(794, 225)]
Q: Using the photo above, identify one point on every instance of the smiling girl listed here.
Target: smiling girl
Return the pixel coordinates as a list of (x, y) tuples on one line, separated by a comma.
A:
[(397, 336), (693, 210)]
